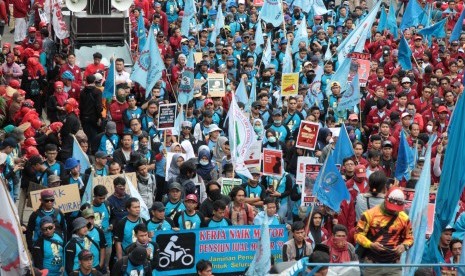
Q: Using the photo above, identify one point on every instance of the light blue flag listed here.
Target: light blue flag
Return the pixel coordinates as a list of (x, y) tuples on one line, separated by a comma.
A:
[(141, 32), (452, 180), (241, 93), (382, 21), (272, 12), (412, 15), (405, 159), (261, 262), (287, 60), (189, 12), (259, 38), (305, 5), (328, 54), (391, 23), (329, 188), (186, 87), (405, 54), (301, 35), (319, 7), (219, 23), (437, 30), (109, 89), (252, 96), (418, 215), (133, 192), (181, 117), (266, 56), (343, 148), (455, 35), (340, 76), (81, 156), (149, 67), (351, 97), (87, 197)]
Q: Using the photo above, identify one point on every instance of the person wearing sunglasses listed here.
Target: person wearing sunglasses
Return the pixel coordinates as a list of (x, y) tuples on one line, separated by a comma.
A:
[(47, 252), (45, 210)]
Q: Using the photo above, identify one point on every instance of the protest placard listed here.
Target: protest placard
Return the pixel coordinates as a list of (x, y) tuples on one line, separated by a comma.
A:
[(228, 183), (302, 161), (169, 157), (230, 249), (258, 3), (254, 155), (363, 62), (198, 84), (216, 87), (308, 134), (311, 172), (290, 84), (272, 162), (198, 57), (166, 116), (67, 198), (107, 181)]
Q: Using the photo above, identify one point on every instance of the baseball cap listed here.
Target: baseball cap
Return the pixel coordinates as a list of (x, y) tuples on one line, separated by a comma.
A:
[(443, 109), (335, 83), (277, 112), (101, 154), (191, 197), (360, 171), (395, 200), (79, 223), (214, 127), (405, 114), (85, 255), (71, 163), (47, 194), (207, 102), (254, 170), (110, 128), (449, 228), (87, 213), (387, 144), (406, 79), (175, 185), (53, 179), (353, 116), (158, 206)]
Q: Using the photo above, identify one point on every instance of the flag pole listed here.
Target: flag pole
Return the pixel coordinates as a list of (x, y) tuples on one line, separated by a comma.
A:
[(18, 224), (234, 151)]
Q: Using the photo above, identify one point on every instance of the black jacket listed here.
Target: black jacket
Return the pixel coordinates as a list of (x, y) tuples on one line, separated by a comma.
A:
[(90, 104)]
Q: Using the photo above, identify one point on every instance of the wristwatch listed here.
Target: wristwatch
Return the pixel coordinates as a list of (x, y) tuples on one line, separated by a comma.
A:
[(406, 247)]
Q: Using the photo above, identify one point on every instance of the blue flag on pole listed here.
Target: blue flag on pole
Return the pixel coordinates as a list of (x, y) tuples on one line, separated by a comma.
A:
[(319, 7), (343, 148), (418, 215), (382, 21), (241, 93), (87, 197), (301, 35), (178, 122), (149, 67), (266, 56), (455, 35), (109, 89), (340, 76), (391, 23), (405, 54), (452, 180), (252, 96), (405, 159), (437, 30), (329, 188), (287, 60), (412, 15), (351, 96), (189, 13), (219, 23), (259, 38), (186, 87), (81, 156), (261, 262), (272, 12), (141, 32)]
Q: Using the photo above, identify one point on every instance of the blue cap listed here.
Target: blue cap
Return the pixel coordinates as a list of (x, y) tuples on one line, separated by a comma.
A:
[(283, 41), (67, 75), (71, 163), (212, 12), (238, 39), (230, 58), (191, 38)]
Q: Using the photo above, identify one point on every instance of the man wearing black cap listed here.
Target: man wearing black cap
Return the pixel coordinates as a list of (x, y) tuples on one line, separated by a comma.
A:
[(158, 222), (48, 250), (100, 164), (85, 258), (387, 161), (135, 263), (90, 106)]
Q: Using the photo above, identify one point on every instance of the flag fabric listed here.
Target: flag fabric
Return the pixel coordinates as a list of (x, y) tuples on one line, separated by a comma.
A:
[(109, 89), (87, 197), (366, 31), (149, 67), (189, 12), (301, 35), (437, 30), (80, 155), (219, 23), (259, 38), (452, 180), (13, 254), (319, 7), (455, 35), (391, 23), (186, 87), (272, 12), (348, 44), (412, 15), (241, 136), (266, 56), (343, 148), (287, 60), (418, 215), (405, 159), (261, 262), (382, 21), (252, 96), (241, 93), (405, 54), (305, 5), (340, 76), (144, 211), (328, 54), (351, 96), (329, 188), (141, 32), (178, 122)]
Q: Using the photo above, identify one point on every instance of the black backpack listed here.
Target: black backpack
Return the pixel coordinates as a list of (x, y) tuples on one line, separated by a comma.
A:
[(34, 88)]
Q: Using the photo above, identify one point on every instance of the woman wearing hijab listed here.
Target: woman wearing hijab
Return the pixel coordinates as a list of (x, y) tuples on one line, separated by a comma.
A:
[(187, 149), (173, 171), (33, 82), (316, 233), (55, 104), (176, 147), (323, 138), (259, 128), (205, 168)]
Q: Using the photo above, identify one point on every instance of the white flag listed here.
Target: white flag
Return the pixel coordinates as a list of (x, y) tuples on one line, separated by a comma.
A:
[(13, 256), (266, 57), (144, 210)]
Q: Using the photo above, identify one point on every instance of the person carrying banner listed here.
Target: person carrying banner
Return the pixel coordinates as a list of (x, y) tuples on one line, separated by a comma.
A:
[(218, 219)]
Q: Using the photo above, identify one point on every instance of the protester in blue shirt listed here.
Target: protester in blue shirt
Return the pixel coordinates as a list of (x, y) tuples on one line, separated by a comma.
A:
[(85, 268), (282, 132), (102, 213), (51, 152), (124, 230), (143, 240), (269, 215), (98, 241), (78, 242), (118, 201), (158, 221), (189, 218), (135, 263), (218, 220), (48, 252), (175, 203)]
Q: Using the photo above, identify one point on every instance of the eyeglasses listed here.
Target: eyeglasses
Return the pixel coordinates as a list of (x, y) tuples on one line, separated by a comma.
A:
[(186, 128), (49, 228), (48, 200), (396, 201)]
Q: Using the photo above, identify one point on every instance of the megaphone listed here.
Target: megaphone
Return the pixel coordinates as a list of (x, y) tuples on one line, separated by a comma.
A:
[(76, 5), (122, 5)]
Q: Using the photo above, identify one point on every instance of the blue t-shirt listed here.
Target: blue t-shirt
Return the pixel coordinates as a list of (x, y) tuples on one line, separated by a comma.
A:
[(106, 143), (187, 222), (134, 270), (96, 245), (53, 254), (170, 206), (124, 232), (102, 220), (159, 226), (216, 224)]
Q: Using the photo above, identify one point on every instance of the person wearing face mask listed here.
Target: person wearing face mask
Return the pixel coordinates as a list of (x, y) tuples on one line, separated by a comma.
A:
[(213, 189), (258, 128), (132, 111), (282, 132), (206, 169), (272, 141), (117, 109), (340, 250)]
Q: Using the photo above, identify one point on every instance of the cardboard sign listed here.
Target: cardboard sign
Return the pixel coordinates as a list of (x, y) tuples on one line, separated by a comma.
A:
[(227, 184), (216, 85), (67, 198), (311, 172), (197, 57), (166, 116), (302, 161), (289, 84), (254, 155), (107, 181), (272, 162), (169, 157), (198, 84), (308, 134)]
